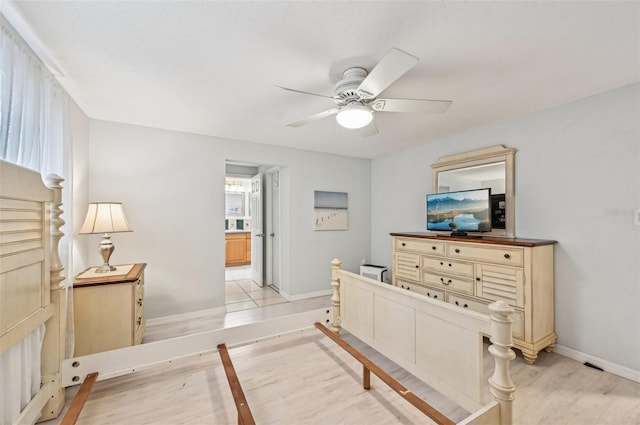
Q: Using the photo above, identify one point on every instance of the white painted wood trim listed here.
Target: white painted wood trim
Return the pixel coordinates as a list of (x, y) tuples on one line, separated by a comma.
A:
[(306, 295), (616, 369), (110, 364), (164, 320)]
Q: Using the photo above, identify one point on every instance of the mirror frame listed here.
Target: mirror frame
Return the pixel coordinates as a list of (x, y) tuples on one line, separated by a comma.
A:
[(488, 155)]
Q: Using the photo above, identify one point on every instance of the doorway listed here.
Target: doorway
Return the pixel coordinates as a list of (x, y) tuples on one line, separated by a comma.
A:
[(252, 218)]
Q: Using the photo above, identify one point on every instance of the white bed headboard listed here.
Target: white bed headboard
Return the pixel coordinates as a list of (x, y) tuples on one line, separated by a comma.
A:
[(30, 276)]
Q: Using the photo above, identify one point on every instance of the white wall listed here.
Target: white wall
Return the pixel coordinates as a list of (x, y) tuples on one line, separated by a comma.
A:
[(172, 187), (577, 181), (78, 184)]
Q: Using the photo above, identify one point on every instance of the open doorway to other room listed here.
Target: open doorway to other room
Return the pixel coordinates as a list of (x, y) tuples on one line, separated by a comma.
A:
[(252, 236)]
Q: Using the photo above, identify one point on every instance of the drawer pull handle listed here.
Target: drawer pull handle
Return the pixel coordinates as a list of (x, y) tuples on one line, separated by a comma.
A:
[(139, 321), (435, 297), (140, 302), (464, 306), (404, 244), (408, 289), (433, 247), (457, 251), (445, 283), (507, 256)]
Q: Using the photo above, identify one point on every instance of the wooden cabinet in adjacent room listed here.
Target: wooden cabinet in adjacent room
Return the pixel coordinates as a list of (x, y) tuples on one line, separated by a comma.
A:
[(108, 309), (472, 273), (237, 248)]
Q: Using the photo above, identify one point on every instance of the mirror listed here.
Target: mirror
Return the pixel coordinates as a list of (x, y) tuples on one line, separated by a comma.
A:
[(490, 167)]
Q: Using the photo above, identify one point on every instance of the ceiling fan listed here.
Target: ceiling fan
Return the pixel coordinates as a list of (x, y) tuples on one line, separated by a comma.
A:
[(356, 95)]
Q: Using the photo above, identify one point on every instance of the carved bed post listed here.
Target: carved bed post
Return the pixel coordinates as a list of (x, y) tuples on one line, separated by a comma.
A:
[(335, 298), (54, 341), (502, 388)]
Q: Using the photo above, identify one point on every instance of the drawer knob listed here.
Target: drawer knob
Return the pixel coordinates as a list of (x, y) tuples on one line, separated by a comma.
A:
[(433, 247), (507, 256), (417, 266), (465, 306), (408, 289), (457, 251), (441, 263), (478, 279), (404, 244), (139, 321), (449, 264), (435, 297)]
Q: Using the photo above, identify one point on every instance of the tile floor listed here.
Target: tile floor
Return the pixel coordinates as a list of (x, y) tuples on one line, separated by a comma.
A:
[(242, 293)]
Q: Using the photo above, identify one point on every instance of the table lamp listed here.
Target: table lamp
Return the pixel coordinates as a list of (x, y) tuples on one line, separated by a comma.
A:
[(105, 218)]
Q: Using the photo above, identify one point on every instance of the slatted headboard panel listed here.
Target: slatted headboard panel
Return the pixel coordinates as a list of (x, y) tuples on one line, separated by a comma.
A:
[(31, 292), (24, 253)]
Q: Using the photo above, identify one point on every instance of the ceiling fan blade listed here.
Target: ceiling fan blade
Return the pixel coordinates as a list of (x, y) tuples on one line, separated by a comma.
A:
[(370, 129), (411, 105), (305, 92), (391, 67), (315, 117)]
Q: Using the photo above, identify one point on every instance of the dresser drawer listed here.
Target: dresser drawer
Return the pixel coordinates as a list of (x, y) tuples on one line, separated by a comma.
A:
[(444, 265), (407, 266), (448, 282), (517, 327), (500, 283), (423, 246), (499, 255), (429, 292)]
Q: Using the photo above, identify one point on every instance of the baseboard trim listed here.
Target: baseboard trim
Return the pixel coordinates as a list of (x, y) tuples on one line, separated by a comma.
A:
[(185, 316), (607, 366), (306, 295)]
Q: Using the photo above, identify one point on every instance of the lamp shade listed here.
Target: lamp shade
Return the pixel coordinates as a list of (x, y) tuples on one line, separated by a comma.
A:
[(354, 115), (105, 217)]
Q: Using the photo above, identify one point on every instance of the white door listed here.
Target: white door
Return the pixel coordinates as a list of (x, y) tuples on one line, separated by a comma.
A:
[(257, 232), (272, 228)]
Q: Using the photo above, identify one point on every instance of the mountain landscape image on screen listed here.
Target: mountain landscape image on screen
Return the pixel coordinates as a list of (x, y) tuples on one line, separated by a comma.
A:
[(457, 212)]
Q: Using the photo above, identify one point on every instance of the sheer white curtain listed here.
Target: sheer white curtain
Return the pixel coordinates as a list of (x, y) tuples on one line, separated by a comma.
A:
[(34, 132)]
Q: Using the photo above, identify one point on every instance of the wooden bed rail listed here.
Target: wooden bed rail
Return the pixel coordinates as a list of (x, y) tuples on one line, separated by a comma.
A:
[(75, 408), (244, 413), (369, 366)]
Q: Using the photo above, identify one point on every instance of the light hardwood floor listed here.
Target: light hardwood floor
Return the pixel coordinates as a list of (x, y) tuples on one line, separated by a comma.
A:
[(305, 378)]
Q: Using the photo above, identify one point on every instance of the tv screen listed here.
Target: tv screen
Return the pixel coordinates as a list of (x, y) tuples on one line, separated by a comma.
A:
[(460, 212)]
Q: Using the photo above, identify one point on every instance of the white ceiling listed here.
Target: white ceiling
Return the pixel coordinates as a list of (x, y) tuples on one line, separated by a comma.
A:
[(209, 67)]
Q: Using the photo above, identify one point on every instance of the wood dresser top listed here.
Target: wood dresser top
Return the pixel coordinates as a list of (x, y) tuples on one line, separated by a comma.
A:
[(491, 240)]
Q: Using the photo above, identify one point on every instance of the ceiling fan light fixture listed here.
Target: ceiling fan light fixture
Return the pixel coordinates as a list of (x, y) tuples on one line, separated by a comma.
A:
[(354, 115)]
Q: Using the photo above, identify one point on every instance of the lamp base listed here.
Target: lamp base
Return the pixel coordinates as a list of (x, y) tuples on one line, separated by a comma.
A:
[(105, 269), (105, 248)]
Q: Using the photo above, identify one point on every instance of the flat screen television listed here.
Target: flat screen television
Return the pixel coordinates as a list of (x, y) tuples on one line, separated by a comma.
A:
[(460, 212)]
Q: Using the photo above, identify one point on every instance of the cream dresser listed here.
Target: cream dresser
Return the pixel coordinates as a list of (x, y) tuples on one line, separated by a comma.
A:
[(472, 273), (108, 310)]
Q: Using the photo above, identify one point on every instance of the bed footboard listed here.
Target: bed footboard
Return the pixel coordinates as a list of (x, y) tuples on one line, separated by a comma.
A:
[(439, 343)]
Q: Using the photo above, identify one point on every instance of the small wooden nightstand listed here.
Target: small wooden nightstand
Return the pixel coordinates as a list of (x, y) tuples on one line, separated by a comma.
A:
[(108, 309)]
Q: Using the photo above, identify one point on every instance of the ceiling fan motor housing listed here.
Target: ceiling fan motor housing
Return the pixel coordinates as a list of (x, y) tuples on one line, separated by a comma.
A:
[(345, 89)]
